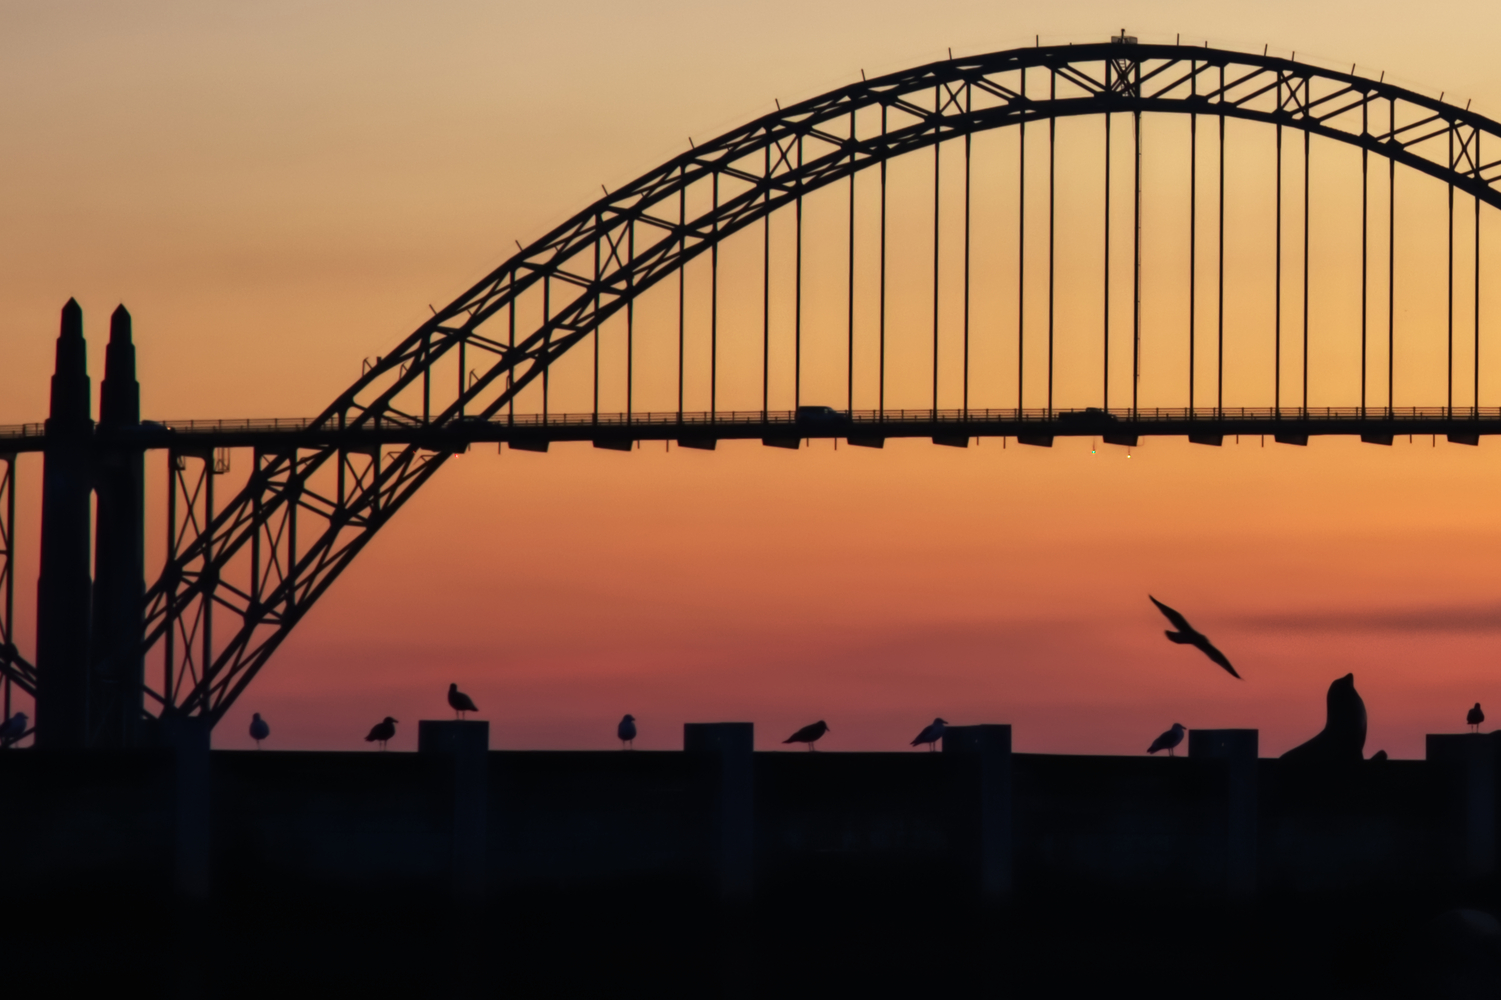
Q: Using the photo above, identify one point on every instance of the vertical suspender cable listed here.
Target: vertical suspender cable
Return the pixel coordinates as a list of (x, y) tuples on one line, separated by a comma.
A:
[(1193, 232), (1478, 161), (1106, 401), (1135, 252), (1391, 260), (511, 351), (1052, 161), (1307, 137), (595, 335), (546, 342), (766, 293), (1021, 256), (1365, 248), (881, 312), (797, 322), (1219, 355), (714, 310), (937, 164), (1449, 286), (1277, 296), (968, 94), (850, 357), (630, 323), (682, 251)]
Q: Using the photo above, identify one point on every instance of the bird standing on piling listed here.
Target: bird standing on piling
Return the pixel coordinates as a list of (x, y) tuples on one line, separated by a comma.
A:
[(1475, 718), (12, 729), (460, 702), (1168, 740), (931, 735), (382, 731), (1187, 635), (627, 732), (809, 734), (258, 729)]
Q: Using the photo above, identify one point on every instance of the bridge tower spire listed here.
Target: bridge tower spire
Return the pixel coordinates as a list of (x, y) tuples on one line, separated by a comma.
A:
[(117, 672), (63, 583)]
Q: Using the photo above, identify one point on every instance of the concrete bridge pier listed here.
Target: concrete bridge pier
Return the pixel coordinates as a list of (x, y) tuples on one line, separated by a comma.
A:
[(725, 752), (725, 775), (1471, 759), (1238, 749), (187, 737), (468, 745), (984, 805)]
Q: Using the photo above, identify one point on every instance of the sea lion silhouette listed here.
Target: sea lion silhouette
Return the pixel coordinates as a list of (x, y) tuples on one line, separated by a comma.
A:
[(1343, 737)]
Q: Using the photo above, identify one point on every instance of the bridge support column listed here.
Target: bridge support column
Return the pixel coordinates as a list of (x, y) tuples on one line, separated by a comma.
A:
[(1470, 758), (1238, 749), (725, 753), (724, 773), (119, 669), (187, 737), (8, 650), (983, 809), (62, 616), (468, 745)]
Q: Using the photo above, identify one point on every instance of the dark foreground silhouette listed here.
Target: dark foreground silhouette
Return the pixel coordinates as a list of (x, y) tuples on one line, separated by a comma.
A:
[(809, 734), (681, 942), (1343, 735), (1169, 740), (1187, 635)]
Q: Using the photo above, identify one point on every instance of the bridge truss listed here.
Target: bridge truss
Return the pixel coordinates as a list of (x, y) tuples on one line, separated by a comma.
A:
[(239, 576)]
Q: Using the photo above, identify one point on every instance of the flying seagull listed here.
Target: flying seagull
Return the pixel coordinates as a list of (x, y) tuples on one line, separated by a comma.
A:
[(258, 729), (1168, 740), (809, 734), (382, 731), (1190, 636), (13, 729), (931, 735), (626, 731), (460, 702), (1475, 718)]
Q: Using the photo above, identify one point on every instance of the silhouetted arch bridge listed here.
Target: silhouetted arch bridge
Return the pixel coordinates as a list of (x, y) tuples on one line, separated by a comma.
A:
[(1112, 240)]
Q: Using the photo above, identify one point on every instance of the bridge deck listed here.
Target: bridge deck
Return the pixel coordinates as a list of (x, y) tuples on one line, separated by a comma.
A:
[(1462, 424)]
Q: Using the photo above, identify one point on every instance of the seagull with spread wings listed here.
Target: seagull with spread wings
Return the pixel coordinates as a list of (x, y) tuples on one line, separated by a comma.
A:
[(1187, 635)]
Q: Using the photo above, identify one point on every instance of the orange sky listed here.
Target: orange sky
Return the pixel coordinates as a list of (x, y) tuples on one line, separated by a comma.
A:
[(279, 191)]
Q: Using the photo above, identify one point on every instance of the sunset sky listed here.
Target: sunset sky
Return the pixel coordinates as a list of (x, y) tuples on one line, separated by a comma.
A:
[(279, 190)]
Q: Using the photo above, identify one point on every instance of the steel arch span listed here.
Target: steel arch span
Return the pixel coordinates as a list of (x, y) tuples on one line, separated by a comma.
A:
[(238, 579)]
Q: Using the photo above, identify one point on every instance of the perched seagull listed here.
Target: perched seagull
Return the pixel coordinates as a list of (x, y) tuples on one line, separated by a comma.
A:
[(809, 734), (13, 729), (1168, 740), (626, 731), (460, 702), (258, 729), (1475, 718), (1190, 636), (382, 731), (931, 735)]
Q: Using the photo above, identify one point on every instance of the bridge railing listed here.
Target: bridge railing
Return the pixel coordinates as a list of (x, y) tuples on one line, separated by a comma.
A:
[(866, 418)]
